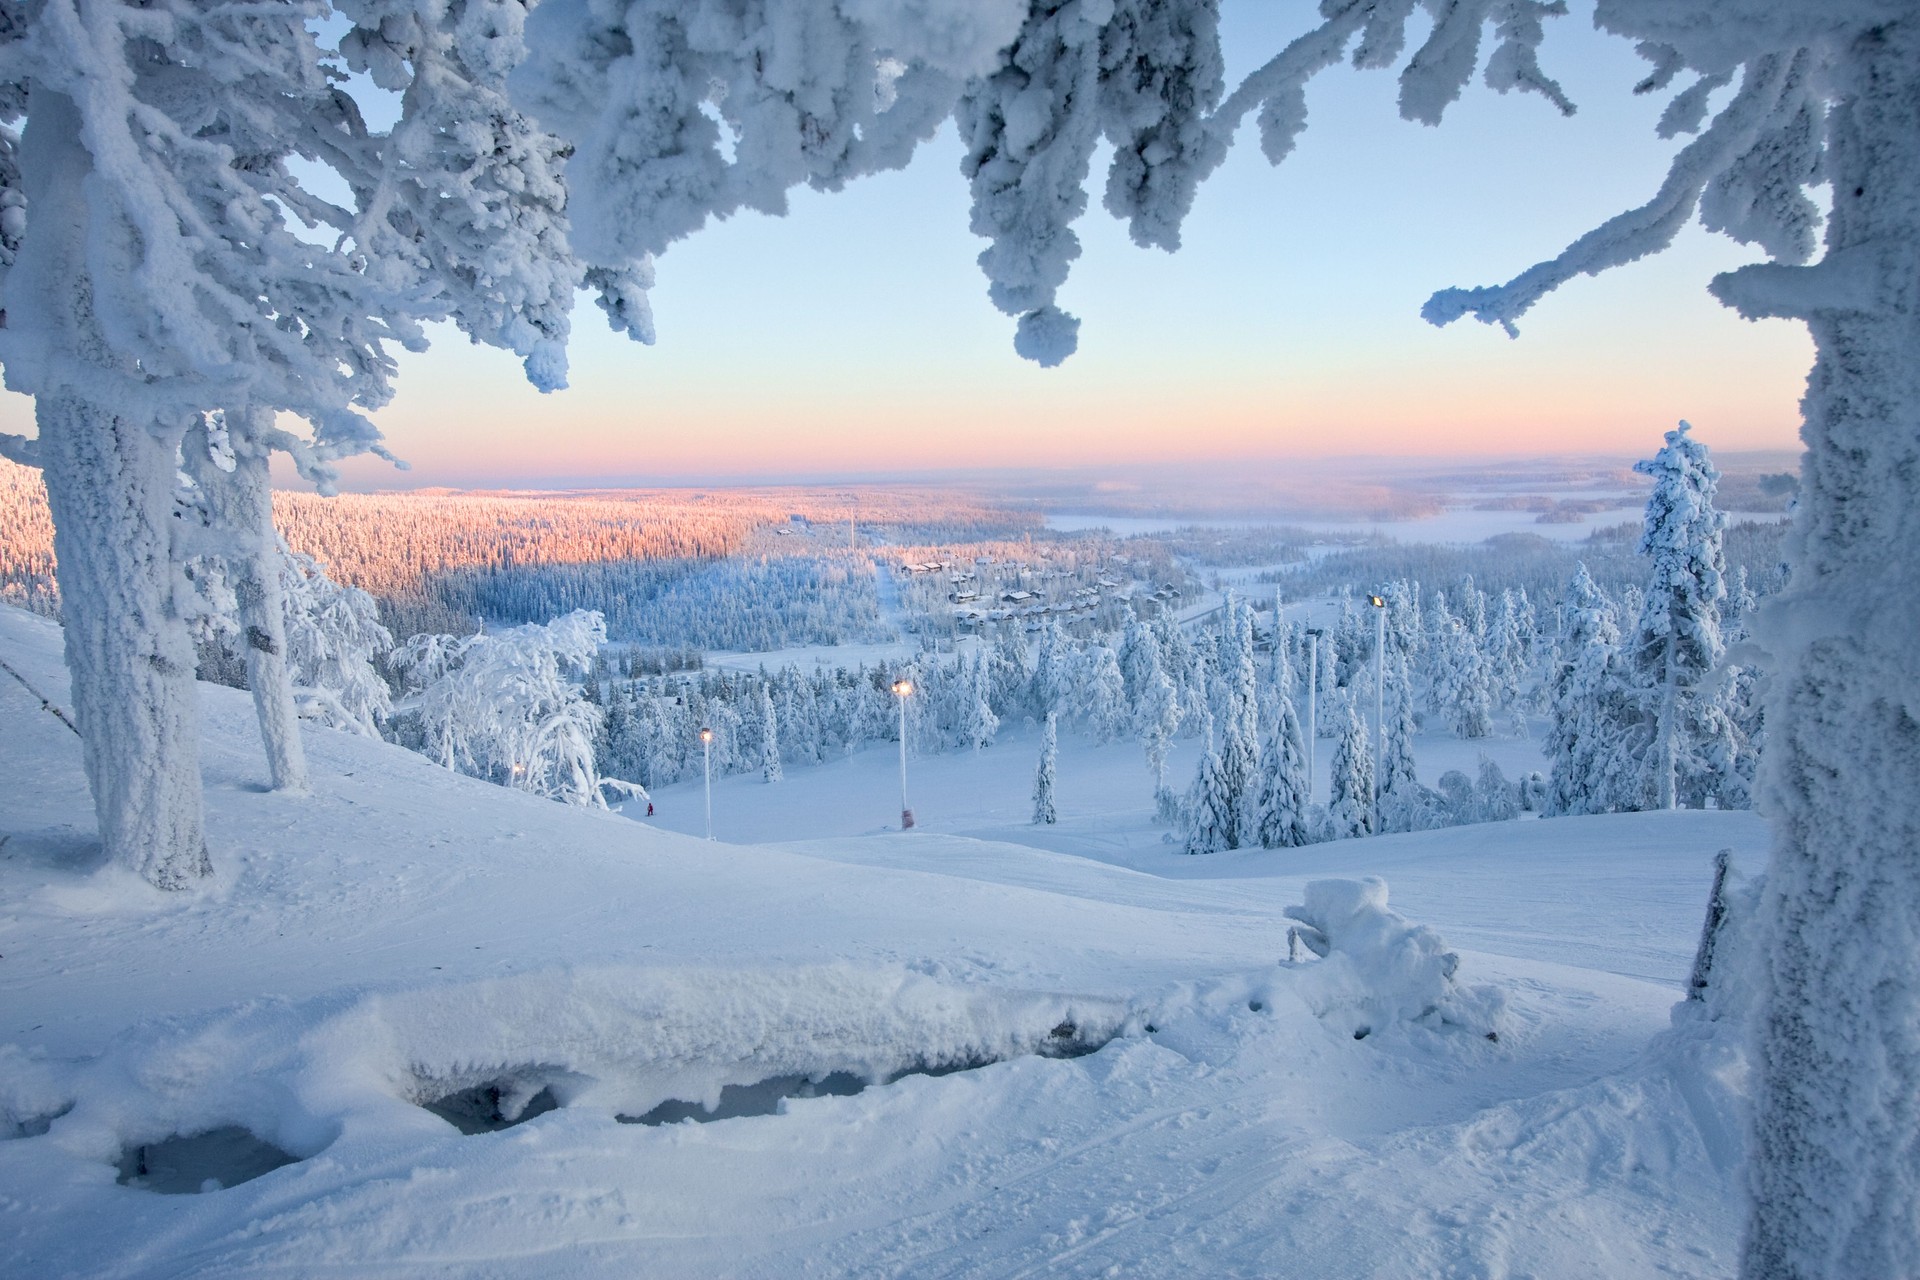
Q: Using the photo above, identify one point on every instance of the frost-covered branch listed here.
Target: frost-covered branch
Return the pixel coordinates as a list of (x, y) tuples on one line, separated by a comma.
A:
[(1774, 90)]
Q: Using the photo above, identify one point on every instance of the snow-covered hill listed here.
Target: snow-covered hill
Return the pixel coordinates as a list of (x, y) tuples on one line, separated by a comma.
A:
[(404, 935)]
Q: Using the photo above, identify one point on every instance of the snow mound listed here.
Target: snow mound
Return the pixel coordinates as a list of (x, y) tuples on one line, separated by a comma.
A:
[(1377, 968), (300, 1076)]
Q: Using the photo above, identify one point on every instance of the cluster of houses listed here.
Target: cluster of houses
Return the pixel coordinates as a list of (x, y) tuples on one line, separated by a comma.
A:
[(975, 603)]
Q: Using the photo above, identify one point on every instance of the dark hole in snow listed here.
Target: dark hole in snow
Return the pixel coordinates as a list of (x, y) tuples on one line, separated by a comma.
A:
[(210, 1161), (480, 1109), (761, 1099), (764, 1098), (32, 1126), (1255, 1006), (1361, 1033)]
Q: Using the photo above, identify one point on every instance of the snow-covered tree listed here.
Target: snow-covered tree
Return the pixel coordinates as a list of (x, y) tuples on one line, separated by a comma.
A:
[(1240, 728), (1494, 798), (1283, 802), (770, 770), (502, 707), (1405, 805), (1585, 739), (1043, 774), (1007, 667), (1351, 805), (1677, 640), (334, 640), (978, 724), (232, 487), (1155, 701), (178, 244), (1212, 819), (1102, 694)]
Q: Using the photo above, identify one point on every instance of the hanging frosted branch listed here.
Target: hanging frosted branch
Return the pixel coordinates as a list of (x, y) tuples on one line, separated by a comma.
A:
[(1769, 83), (1161, 72), (1515, 62), (1030, 130)]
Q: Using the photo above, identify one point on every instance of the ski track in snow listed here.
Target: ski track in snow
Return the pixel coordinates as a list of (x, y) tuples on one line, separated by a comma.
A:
[(404, 932)]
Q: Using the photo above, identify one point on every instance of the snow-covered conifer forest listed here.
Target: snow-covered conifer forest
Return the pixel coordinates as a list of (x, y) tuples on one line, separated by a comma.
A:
[(298, 982)]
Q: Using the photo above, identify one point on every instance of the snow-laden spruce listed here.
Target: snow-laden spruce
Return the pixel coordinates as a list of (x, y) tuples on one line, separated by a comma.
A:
[(1044, 813)]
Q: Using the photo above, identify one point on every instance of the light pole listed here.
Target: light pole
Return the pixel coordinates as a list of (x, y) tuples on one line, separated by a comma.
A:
[(1313, 699), (903, 689), (1379, 700), (706, 750)]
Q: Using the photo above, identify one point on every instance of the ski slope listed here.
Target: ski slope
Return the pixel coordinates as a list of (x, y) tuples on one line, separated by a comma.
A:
[(403, 934)]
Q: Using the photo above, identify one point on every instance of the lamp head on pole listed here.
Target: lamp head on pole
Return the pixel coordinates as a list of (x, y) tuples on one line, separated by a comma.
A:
[(1378, 602), (903, 687), (706, 735)]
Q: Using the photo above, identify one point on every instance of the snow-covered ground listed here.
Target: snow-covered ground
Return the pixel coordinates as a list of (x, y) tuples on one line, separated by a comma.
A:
[(404, 934)]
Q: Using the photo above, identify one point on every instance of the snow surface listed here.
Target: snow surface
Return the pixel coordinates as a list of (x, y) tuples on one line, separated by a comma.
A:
[(405, 933)]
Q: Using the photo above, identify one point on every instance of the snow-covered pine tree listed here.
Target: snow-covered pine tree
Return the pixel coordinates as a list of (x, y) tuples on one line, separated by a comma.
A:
[(978, 723), (1240, 741), (1053, 663), (1103, 694), (1405, 805), (1043, 774), (1351, 806), (1464, 680), (1586, 734), (1211, 821), (770, 770), (1506, 658), (1677, 641), (1012, 682), (1155, 701), (1283, 801)]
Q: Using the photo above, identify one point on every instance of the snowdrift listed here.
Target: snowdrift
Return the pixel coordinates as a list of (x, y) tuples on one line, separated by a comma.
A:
[(402, 1032)]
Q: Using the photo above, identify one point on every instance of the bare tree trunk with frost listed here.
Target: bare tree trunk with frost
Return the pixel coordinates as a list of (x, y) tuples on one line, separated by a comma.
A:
[(110, 490), (241, 504)]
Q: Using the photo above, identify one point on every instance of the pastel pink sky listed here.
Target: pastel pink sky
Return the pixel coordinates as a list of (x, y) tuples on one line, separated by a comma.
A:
[(854, 335)]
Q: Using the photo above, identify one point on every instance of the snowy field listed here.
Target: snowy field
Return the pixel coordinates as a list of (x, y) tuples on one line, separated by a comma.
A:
[(1088, 1054)]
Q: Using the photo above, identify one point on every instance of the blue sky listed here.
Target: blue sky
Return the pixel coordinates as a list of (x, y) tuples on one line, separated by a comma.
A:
[(854, 336)]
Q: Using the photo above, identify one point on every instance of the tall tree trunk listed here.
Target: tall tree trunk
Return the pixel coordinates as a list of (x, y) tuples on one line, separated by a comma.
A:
[(1666, 762), (1836, 1173), (109, 484), (241, 503)]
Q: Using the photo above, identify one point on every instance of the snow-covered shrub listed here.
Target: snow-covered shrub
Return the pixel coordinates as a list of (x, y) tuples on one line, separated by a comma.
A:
[(1456, 793), (1378, 968), (1494, 798), (334, 638), (504, 707)]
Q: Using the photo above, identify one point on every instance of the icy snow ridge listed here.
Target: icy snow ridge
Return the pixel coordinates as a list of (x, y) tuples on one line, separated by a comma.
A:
[(648, 1044)]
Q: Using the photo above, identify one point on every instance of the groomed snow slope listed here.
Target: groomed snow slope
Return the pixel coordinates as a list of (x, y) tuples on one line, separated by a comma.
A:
[(403, 933)]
